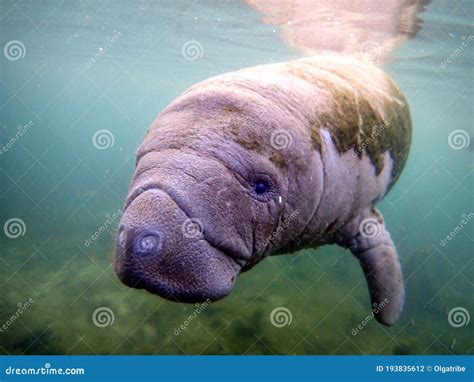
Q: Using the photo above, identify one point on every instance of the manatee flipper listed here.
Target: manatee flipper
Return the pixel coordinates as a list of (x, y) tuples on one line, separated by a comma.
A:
[(370, 242)]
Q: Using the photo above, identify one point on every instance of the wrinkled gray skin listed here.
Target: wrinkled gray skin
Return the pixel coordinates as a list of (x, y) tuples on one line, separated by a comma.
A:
[(203, 157)]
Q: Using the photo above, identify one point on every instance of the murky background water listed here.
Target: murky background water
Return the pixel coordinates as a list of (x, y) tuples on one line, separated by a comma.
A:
[(87, 66)]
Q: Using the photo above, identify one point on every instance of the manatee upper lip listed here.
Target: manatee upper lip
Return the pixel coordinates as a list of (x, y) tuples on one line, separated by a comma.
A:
[(141, 190), (236, 256)]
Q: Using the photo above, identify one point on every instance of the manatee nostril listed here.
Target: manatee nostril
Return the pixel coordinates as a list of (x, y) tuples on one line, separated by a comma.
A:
[(147, 243)]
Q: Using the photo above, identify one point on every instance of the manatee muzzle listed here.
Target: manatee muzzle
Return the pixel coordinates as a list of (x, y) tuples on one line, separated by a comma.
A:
[(155, 252)]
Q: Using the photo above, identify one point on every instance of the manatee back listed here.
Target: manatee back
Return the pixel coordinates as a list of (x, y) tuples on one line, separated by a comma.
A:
[(361, 107)]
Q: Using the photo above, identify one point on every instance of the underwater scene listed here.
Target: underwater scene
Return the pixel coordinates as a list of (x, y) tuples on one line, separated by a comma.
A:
[(81, 82)]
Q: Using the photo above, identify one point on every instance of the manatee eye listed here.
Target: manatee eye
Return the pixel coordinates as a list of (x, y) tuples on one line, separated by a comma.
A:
[(261, 187)]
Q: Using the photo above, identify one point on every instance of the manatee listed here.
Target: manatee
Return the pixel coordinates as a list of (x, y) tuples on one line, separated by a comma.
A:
[(264, 161)]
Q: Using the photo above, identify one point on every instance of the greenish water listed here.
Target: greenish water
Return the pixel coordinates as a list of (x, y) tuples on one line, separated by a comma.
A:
[(64, 189)]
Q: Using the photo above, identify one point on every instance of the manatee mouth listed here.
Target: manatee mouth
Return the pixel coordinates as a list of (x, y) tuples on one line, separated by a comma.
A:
[(153, 254), (173, 291)]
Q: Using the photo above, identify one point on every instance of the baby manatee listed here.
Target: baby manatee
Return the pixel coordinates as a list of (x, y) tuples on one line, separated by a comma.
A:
[(263, 161)]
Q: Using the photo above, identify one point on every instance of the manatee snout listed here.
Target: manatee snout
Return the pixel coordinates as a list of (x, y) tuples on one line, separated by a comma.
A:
[(166, 251)]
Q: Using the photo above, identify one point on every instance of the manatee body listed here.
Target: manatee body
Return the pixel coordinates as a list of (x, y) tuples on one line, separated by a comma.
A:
[(264, 161)]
